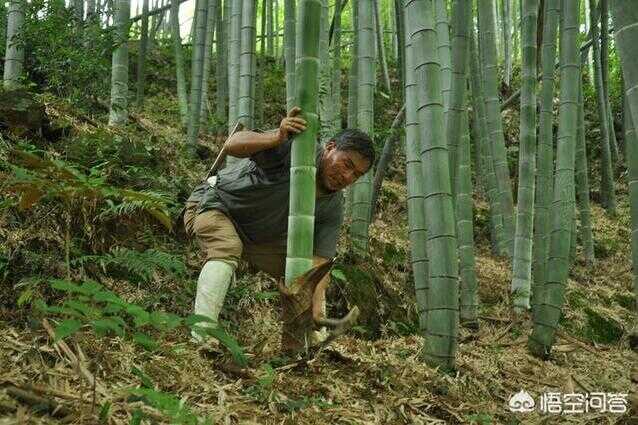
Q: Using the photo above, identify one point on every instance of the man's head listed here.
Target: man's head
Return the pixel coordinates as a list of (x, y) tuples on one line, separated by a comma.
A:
[(347, 156)]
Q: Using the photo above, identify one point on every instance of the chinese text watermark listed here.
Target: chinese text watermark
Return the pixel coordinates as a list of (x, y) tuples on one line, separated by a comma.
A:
[(569, 403)]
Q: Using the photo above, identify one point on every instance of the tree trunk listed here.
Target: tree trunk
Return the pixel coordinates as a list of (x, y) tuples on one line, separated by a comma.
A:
[(625, 17), (197, 68), (468, 294), (384, 161), (325, 77), (400, 24), (457, 132), (461, 20), (441, 336), (484, 146), (262, 41), (336, 69), (607, 190), (270, 22), (276, 26), (379, 33), (604, 64), (118, 114), (182, 94), (234, 48), (247, 68), (211, 20), (302, 167), (352, 92), (289, 51), (14, 53), (90, 10), (522, 261), (141, 56), (221, 64), (362, 188), (78, 8), (545, 153), (443, 37), (495, 124), (582, 184), (590, 57), (552, 296), (507, 34), (416, 204)]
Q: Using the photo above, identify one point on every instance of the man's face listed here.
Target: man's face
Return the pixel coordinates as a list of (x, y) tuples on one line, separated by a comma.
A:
[(341, 168)]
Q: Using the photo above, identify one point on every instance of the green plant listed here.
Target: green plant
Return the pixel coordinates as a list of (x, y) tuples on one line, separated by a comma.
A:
[(167, 403), (57, 59), (28, 288), (262, 389), (137, 265), (480, 419), (89, 304), (35, 178)]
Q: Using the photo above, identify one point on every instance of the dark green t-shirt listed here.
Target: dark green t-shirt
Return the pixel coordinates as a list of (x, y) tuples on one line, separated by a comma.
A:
[(255, 193)]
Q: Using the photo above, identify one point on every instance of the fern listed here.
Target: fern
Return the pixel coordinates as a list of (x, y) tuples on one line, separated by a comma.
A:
[(35, 178), (139, 265)]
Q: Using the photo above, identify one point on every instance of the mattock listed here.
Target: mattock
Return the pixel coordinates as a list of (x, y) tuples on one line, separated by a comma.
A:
[(298, 313)]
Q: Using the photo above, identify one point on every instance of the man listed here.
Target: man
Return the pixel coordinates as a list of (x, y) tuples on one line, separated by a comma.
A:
[(244, 213)]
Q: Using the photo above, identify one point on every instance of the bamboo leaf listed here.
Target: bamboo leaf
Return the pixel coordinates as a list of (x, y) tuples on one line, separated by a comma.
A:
[(231, 344), (146, 380), (194, 319), (339, 275)]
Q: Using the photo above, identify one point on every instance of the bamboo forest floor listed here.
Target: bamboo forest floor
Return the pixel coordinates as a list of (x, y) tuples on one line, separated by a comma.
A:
[(356, 380)]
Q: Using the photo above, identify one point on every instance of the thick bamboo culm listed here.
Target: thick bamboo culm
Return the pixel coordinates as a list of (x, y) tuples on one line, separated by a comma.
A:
[(442, 314), (544, 153), (302, 168), (552, 295), (522, 259)]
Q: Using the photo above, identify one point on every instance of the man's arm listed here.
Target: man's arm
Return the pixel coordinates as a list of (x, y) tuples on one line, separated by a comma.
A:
[(246, 143)]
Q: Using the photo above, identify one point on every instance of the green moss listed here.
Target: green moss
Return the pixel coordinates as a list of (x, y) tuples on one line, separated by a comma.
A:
[(602, 327), (626, 300), (393, 255)]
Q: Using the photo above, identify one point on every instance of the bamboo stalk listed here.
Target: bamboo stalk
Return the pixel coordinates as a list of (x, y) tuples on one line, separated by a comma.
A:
[(552, 296), (302, 167), (544, 161), (441, 335), (522, 261)]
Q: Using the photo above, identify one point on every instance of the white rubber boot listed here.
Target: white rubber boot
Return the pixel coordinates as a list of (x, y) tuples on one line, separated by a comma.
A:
[(212, 286)]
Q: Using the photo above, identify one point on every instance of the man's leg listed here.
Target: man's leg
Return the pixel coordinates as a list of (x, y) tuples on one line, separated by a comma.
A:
[(267, 257), (220, 242)]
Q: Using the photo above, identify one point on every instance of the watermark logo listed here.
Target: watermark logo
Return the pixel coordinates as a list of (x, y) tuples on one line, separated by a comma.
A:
[(522, 401), (569, 403)]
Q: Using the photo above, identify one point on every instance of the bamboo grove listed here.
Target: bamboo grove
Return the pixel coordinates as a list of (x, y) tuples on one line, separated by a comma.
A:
[(447, 62)]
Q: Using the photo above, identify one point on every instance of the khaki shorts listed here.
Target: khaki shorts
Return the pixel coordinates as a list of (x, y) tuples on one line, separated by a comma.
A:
[(219, 240)]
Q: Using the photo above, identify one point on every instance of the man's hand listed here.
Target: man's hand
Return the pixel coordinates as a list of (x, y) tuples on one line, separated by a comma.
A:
[(291, 125)]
